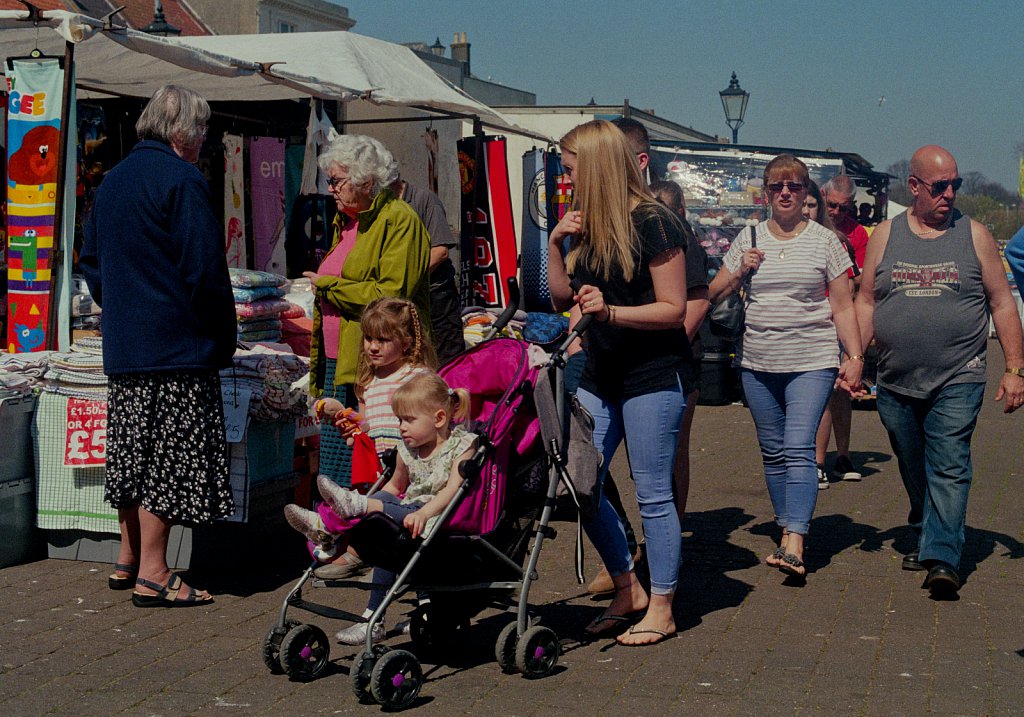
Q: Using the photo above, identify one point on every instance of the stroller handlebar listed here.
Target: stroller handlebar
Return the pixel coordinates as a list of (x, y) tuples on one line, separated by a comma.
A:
[(509, 311), (578, 330)]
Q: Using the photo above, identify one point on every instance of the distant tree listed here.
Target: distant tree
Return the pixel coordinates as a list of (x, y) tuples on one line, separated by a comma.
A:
[(898, 191), (973, 182)]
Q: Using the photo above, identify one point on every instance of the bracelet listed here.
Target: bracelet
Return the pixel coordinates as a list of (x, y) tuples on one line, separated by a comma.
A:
[(858, 357), (1015, 371), (611, 314)]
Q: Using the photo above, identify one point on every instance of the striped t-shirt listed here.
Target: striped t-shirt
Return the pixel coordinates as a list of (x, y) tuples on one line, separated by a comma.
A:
[(789, 320), (382, 425)]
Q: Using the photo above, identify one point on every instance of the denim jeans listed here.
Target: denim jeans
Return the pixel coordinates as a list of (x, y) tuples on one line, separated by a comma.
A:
[(931, 438), (787, 408), (650, 424)]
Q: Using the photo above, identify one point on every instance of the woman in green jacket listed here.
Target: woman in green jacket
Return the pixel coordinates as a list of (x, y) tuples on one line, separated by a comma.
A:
[(381, 248)]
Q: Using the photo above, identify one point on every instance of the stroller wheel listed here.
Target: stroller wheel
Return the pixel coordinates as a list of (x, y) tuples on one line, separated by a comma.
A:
[(396, 680), (304, 652), (272, 646), (537, 652), (362, 670), (505, 649)]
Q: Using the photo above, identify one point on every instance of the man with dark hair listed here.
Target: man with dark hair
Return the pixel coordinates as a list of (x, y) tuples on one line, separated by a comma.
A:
[(932, 277)]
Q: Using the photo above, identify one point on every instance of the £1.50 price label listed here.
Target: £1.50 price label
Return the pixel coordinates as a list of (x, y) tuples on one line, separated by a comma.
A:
[(86, 443)]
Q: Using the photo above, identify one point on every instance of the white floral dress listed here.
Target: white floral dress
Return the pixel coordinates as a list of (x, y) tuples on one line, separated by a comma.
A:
[(427, 476)]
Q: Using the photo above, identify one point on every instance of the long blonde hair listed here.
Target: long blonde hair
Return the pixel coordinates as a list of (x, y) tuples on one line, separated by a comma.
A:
[(428, 392), (398, 319), (607, 186)]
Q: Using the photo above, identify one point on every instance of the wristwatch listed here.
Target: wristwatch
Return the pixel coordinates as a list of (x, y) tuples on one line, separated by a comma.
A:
[(1015, 371)]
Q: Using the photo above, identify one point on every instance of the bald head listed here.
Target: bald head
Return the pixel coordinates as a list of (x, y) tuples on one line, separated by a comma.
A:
[(932, 159)]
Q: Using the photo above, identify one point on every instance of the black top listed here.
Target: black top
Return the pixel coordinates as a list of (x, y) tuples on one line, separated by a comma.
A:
[(624, 363)]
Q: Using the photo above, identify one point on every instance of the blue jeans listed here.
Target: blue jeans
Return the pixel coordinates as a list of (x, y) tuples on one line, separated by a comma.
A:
[(650, 424), (787, 408), (931, 438)]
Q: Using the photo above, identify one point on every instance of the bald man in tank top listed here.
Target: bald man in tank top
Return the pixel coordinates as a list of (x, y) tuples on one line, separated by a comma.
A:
[(931, 278)]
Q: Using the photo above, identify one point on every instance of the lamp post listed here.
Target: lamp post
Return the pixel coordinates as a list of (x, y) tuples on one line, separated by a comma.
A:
[(734, 102), (160, 26)]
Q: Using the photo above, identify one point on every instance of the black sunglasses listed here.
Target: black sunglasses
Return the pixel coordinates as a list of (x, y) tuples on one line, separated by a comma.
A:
[(791, 186), (939, 188)]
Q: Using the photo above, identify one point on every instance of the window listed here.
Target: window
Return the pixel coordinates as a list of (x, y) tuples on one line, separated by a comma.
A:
[(286, 27)]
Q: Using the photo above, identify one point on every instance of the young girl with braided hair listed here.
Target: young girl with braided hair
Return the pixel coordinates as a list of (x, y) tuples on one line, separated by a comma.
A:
[(425, 480), (394, 350)]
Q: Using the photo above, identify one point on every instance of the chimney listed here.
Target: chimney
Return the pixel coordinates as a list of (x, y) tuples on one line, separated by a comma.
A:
[(460, 50)]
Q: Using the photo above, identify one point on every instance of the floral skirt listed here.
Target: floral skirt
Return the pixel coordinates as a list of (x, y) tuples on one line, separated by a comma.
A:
[(166, 448)]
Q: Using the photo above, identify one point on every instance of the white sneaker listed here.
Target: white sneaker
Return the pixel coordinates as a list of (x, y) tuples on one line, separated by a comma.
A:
[(356, 634), (822, 478)]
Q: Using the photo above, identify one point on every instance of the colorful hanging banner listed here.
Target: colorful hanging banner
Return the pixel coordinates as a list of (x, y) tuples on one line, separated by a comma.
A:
[(266, 172), (234, 202), (489, 251), (34, 137)]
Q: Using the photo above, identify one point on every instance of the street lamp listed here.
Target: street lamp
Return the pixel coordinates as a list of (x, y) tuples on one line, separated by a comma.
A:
[(160, 26), (734, 102)]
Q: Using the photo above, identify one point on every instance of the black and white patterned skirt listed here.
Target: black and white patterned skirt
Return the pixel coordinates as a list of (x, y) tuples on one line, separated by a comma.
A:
[(165, 445)]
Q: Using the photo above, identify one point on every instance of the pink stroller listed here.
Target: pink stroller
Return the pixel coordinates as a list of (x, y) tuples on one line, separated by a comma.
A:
[(473, 561)]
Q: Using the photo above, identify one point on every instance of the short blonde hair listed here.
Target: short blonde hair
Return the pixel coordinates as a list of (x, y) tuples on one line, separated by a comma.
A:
[(427, 392), (174, 115)]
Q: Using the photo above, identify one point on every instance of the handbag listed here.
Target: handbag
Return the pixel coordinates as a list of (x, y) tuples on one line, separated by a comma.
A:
[(728, 317)]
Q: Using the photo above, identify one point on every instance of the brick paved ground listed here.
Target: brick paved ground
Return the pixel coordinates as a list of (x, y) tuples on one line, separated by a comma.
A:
[(860, 638)]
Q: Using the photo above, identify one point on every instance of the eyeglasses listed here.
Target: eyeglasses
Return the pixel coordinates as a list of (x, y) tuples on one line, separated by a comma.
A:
[(793, 187), (838, 205), (937, 189), (337, 182)]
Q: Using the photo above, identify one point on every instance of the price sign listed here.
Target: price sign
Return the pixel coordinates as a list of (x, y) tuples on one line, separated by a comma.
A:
[(86, 443), (236, 410)]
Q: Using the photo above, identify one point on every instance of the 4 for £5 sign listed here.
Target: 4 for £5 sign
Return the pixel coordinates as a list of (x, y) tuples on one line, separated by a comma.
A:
[(86, 443)]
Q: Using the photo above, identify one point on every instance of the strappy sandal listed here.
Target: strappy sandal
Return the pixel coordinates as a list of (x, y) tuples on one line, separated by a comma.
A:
[(169, 595), (779, 554), (118, 582), (790, 564)]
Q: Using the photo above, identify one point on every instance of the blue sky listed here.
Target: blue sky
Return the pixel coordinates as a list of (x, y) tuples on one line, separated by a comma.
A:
[(950, 72)]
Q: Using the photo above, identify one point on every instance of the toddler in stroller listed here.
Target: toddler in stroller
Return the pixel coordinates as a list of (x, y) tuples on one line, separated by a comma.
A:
[(425, 479)]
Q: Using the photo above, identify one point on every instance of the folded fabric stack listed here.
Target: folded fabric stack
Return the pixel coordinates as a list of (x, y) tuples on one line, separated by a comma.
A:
[(258, 304), (22, 373), (79, 372), (477, 322), (277, 381)]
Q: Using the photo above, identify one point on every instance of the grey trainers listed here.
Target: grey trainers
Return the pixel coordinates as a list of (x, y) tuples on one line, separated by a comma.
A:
[(356, 635), (822, 478), (844, 470)]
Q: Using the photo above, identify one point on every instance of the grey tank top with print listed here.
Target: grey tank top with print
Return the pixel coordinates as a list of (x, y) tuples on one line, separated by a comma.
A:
[(931, 312)]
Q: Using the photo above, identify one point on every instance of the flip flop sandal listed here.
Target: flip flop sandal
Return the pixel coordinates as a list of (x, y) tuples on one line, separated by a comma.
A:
[(779, 554), (619, 623), (662, 636), (790, 563), (168, 595), (117, 582)]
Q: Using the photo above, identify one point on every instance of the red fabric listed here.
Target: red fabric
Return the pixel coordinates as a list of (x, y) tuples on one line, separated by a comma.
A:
[(296, 333)]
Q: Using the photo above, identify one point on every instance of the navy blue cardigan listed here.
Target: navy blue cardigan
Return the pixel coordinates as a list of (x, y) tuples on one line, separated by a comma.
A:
[(154, 261)]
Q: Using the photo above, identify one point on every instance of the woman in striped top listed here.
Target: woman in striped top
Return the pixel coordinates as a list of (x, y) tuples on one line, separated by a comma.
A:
[(798, 299)]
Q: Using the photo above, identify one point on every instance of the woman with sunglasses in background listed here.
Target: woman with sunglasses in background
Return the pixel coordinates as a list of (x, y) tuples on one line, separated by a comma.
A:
[(381, 248), (798, 299)]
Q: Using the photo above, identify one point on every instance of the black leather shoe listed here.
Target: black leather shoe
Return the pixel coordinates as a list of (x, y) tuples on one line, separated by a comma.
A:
[(911, 562), (942, 580)]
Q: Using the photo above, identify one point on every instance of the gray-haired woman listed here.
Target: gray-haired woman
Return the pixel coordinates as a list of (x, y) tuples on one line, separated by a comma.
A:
[(154, 260), (381, 248)]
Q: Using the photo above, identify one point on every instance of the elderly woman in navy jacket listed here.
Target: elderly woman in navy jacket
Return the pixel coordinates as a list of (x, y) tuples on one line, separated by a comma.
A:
[(154, 260)]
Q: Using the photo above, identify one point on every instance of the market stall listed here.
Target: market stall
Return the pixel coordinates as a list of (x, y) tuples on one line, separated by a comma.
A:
[(250, 81)]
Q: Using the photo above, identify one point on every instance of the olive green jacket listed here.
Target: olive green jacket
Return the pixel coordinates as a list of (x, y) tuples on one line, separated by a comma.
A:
[(391, 257)]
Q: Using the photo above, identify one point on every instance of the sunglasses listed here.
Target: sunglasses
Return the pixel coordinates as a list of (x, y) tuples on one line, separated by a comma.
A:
[(337, 182), (939, 188), (793, 187), (838, 205)]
